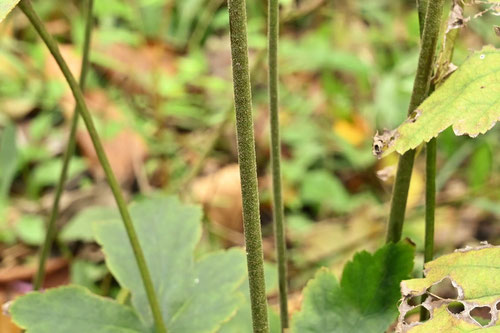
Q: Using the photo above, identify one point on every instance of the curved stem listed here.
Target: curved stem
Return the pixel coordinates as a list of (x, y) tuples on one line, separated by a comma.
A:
[(70, 149), (278, 215), (248, 164), (25, 6), (420, 90)]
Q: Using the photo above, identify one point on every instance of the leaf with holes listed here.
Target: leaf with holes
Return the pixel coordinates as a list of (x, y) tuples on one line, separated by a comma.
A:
[(194, 295), (474, 272), (364, 300), (469, 101), (6, 6), (73, 309)]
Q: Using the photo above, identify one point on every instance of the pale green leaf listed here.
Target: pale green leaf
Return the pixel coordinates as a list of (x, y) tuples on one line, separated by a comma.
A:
[(364, 301), (73, 309), (6, 6), (469, 101), (474, 273), (195, 295)]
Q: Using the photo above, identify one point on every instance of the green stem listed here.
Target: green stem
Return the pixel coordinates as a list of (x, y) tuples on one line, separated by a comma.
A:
[(25, 6), (420, 90), (70, 149), (443, 62), (279, 232), (430, 199), (248, 164)]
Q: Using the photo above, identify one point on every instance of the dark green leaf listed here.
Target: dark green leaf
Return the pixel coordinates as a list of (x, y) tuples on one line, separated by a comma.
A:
[(364, 301)]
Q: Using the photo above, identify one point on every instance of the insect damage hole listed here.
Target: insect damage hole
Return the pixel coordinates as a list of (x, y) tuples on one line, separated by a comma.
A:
[(481, 314), (414, 315), (456, 307), (444, 290)]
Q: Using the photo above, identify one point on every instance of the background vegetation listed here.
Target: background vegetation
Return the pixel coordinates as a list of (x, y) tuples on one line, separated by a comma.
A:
[(160, 91)]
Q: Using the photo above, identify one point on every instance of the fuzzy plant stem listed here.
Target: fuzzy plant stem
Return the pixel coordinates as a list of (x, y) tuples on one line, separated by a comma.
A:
[(70, 149), (278, 214), (420, 90), (26, 7), (248, 164)]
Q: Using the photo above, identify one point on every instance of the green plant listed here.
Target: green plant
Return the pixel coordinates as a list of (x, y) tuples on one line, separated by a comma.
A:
[(365, 298), (174, 285), (430, 33), (188, 287), (26, 7)]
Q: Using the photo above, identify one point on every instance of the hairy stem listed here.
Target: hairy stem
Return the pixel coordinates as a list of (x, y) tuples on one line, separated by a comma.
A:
[(430, 36), (278, 215), (248, 165), (26, 7), (70, 149), (422, 11)]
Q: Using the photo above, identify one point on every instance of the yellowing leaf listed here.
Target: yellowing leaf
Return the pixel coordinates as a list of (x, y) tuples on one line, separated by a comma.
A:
[(444, 321), (6, 6), (469, 101), (474, 272)]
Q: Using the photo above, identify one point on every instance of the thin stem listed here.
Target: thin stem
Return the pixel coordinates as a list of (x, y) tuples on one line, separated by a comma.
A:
[(248, 164), (443, 62), (25, 6), (430, 174), (430, 199), (420, 90), (278, 215), (70, 149)]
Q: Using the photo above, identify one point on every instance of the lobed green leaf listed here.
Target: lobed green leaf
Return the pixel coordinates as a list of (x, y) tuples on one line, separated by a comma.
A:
[(195, 296), (364, 301)]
